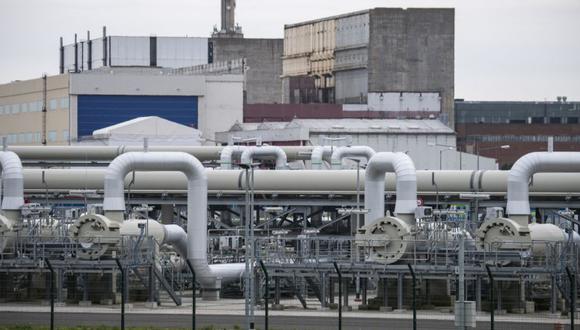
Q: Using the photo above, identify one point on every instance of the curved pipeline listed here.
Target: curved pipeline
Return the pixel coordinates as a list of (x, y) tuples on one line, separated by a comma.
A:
[(12, 186), (357, 151), (227, 156), (406, 186), (264, 152), (318, 155), (114, 200), (518, 191)]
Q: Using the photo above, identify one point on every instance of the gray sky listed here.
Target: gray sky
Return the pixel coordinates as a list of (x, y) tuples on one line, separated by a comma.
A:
[(504, 50)]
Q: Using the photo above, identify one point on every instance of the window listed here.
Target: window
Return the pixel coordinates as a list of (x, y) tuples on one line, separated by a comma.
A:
[(32, 107), (555, 120), (36, 137), (64, 103), (537, 120), (28, 138), (65, 135), (15, 109), (1, 110), (572, 120), (22, 138), (53, 104), (51, 136), (24, 107)]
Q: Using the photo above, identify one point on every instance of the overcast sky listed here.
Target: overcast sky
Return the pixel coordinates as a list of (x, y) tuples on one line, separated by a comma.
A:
[(504, 49)]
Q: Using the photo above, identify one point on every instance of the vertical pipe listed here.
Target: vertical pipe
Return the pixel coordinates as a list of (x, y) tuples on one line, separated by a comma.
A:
[(193, 293), (491, 299), (61, 56), (122, 292), (44, 101), (572, 279), (89, 51), (266, 295), (51, 288), (76, 54), (414, 295), (400, 291), (385, 292), (339, 295), (105, 52)]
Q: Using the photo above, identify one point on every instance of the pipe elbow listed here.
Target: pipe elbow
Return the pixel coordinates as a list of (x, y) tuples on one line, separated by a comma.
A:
[(12, 184)]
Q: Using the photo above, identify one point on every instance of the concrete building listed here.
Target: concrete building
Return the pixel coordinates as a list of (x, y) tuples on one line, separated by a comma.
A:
[(430, 143), (384, 59), (262, 58), (524, 126), (79, 103)]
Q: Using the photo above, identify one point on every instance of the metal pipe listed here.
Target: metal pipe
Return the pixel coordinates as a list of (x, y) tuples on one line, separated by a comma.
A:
[(80, 153), (518, 200), (300, 182), (12, 186), (114, 201), (406, 185), (343, 152), (319, 154), (227, 156), (265, 152)]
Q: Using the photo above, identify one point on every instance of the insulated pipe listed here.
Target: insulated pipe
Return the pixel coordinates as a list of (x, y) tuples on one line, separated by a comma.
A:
[(357, 151), (114, 201), (176, 237), (318, 155), (107, 153), (518, 199), (406, 187), (299, 182), (227, 156), (12, 185), (265, 152)]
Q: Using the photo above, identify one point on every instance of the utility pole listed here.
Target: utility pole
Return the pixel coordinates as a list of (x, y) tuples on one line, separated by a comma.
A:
[(44, 101)]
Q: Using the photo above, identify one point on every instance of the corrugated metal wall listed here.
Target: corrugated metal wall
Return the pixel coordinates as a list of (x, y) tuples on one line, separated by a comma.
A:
[(99, 111), (129, 51), (181, 52), (351, 86)]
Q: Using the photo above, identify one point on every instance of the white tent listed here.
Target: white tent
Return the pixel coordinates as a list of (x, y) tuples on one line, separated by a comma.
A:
[(157, 130)]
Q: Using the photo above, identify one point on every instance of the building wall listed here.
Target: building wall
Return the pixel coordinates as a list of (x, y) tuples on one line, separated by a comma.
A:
[(264, 61), (21, 111), (221, 106), (412, 50), (219, 103)]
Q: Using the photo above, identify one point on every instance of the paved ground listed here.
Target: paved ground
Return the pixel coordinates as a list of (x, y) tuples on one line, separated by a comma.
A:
[(229, 321)]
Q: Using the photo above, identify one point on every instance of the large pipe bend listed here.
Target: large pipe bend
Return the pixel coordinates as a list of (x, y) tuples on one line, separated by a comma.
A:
[(263, 152), (319, 154), (12, 185), (341, 153), (406, 185), (518, 199), (196, 247), (227, 156)]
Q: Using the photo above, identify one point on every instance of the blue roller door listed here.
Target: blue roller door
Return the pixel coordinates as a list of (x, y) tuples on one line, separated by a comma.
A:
[(99, 111)]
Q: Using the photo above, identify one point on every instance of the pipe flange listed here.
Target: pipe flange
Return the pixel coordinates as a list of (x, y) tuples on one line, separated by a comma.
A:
[(503, 234), (96, 234), (386, 241)]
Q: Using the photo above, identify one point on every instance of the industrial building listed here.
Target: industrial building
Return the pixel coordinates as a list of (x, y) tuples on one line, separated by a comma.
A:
[(430, 143), (399, 61), (524, 126), (77, 104), (262, 64)]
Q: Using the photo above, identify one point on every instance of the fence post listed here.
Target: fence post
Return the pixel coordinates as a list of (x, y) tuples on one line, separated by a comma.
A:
[(193, 306), (572, 278), (339, 295), (491, 298), (414, 297), (266, 294), (51, 288), (122, 293)]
